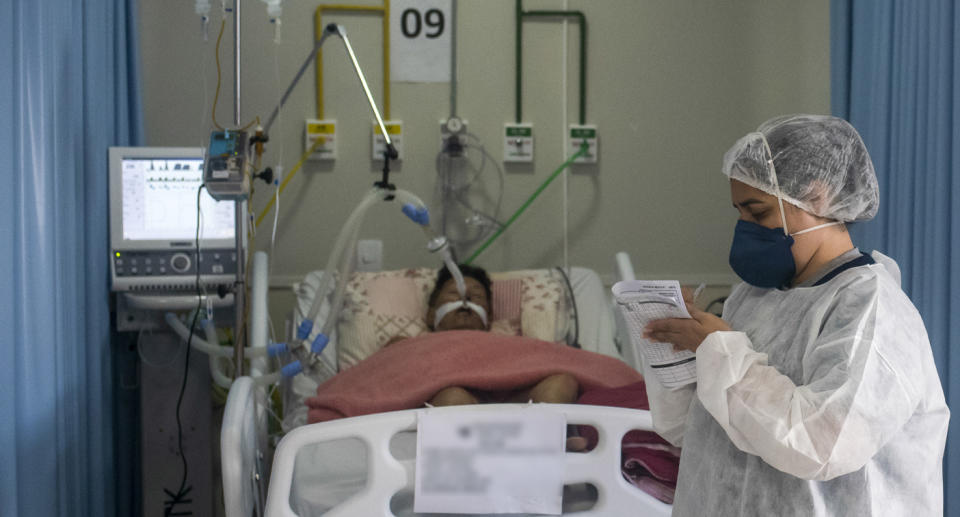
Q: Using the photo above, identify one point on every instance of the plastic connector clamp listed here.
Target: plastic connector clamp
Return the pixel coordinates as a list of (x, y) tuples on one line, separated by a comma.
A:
[(319, 343), (303, 331), (275, 349), (292, 370), (419, 215)]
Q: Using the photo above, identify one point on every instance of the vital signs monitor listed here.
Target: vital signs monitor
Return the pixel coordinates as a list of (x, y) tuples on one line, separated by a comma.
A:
[(153, 222)]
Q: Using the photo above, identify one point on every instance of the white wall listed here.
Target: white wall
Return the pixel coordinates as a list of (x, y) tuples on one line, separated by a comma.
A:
[(670, 85)]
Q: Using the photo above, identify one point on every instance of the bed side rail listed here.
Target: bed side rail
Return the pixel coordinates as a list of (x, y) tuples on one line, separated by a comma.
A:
[(387, 475)]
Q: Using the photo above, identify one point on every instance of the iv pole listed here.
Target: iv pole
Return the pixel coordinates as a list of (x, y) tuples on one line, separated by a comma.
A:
[(240, 291)]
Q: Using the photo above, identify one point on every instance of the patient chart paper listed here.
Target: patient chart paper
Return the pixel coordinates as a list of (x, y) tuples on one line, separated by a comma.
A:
[(642, 301), (481, 461)]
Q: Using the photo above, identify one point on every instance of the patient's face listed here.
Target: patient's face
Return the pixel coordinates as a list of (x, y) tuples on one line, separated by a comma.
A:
[(463, 318)]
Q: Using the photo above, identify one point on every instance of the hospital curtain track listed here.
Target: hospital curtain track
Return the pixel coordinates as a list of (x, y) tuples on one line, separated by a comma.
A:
[(68, 90), (895, 75)]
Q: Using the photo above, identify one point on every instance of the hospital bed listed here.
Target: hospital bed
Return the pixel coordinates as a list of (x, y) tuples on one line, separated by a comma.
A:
[(364, 465)]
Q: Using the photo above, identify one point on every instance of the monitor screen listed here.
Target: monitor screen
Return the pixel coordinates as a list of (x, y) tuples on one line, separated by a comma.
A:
[(159, 196)]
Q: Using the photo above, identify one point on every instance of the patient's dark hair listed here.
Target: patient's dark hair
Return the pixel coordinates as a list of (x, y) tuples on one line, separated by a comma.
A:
[(476, 273)]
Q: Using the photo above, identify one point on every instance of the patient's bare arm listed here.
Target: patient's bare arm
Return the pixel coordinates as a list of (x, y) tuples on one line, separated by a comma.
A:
[(453, 396), (559, 388)]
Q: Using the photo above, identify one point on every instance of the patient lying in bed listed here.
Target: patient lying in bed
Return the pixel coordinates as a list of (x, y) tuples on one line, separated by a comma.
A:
[(560, 388), (449, 366)]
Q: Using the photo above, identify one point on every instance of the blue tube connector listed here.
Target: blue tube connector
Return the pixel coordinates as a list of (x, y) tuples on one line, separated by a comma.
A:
[(419, 215), (275, 349), (319, 343), (292, 370), (303, 331)]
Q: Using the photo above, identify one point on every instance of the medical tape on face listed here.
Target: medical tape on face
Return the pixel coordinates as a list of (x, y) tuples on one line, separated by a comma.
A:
[(776, 184), (449, 307)]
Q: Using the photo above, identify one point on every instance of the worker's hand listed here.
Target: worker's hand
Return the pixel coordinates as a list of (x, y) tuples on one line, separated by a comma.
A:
[(683, 333)]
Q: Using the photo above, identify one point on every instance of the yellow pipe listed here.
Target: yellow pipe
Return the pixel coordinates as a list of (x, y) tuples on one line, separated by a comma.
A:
[(283, 185), (319, 27)]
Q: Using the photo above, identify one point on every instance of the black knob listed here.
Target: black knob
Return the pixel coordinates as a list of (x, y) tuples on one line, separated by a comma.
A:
[(180, 263)]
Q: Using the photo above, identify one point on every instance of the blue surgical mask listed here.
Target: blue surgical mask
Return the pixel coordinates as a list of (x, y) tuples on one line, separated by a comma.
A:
[(761, 256)]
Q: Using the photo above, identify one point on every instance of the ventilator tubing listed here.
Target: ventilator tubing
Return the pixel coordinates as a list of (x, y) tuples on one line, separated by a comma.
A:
[(217, 352), (443, 246), (220, 378), (338, 269), (205, 346)]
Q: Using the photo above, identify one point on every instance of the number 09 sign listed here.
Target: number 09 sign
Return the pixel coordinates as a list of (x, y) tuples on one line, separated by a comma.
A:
[(420, 41)]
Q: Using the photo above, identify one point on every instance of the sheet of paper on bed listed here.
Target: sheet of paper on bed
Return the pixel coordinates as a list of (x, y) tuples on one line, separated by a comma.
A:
[(481, 461), (642, 301)]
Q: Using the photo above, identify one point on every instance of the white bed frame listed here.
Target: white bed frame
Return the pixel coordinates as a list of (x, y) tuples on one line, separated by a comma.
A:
[(387, 476), (244, 431)]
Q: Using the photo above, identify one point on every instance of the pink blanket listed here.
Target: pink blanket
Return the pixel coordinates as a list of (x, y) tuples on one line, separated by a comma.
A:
[(648, 461), (407, 374)]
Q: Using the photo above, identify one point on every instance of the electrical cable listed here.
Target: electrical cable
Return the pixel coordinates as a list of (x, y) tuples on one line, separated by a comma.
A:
[(204, 64), (279, 177), (276, 220), (293, 171), (710, 305), (576, 314), (566, 123), (179, 497), (216, 95)]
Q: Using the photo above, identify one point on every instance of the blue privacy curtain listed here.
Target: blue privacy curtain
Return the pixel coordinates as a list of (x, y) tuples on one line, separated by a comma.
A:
[(67, 92), (896, 76)]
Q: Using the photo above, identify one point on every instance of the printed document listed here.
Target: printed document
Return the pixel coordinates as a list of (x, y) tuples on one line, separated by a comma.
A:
[(504, 461), (643, 301)]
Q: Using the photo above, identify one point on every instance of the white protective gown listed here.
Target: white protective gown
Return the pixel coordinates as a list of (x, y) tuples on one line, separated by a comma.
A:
[(824, 401)]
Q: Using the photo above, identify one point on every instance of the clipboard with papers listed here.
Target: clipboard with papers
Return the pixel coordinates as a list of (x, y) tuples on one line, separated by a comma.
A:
[(643, 301)]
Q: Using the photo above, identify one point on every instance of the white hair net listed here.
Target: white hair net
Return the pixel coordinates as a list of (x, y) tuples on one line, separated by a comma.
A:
[(819, 163)]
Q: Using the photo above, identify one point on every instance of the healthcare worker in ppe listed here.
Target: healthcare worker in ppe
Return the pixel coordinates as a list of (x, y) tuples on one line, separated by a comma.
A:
[(816, 392)]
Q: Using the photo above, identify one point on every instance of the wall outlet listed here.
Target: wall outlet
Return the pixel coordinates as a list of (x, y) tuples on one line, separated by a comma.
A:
[(326, 132), (395, 130), (518, 142), (580, 134), (370, 254)]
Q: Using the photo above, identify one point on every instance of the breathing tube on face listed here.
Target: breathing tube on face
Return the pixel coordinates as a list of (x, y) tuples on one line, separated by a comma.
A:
[(437, 243), (440, 244)]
